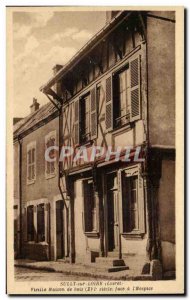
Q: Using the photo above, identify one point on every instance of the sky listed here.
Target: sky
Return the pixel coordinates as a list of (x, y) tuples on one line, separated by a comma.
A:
[(42, 39)]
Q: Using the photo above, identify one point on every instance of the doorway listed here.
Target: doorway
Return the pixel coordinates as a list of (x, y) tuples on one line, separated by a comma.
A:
[(60, 229), (112, 213)]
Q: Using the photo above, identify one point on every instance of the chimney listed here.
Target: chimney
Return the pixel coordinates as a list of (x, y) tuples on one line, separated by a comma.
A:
[(35, 106), (16, 120), (110, 14), (56, 69)]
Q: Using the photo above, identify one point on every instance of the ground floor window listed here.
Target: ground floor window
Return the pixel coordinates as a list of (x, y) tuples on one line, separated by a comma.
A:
[(130, 204), (90, 212), (35, 217), (132, 201), (30, 223)]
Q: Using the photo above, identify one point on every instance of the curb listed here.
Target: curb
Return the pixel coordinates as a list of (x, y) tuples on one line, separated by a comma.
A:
[(143, 277), (78, 273)]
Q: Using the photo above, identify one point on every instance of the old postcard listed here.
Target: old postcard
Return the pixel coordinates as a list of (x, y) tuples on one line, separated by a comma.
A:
[(95, 141)]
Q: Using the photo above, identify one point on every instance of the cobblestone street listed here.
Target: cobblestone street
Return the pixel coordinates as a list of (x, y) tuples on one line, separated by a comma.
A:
[(24, 274)]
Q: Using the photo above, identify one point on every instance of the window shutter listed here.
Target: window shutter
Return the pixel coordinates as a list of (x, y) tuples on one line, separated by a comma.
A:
[(141, 205), (93, 111), (28, 165), (76, 122), (135, 89), (109, 104), (47, 207), (25, 224)]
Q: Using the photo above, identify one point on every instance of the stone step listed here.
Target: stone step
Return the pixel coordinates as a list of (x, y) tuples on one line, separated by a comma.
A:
[(110, 261), (104, 267), (117, 269)]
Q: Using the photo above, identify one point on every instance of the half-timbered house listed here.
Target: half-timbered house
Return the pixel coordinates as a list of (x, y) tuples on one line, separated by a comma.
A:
[(116, 93), (119, 91)]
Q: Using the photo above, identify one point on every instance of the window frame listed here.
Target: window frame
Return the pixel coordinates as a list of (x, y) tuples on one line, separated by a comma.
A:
[(50, 175), (133, 171), (116, 96), (35, 203), (134, 112), (31, 146), (81, 119), (95, 231)]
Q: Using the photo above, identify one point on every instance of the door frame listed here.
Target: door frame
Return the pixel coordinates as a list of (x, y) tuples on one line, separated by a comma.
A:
[(55, 200)]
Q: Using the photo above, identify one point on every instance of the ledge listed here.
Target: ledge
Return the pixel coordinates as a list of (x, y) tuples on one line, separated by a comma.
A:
[(133, 236), (29, 182), (92, 234), (50, 176)]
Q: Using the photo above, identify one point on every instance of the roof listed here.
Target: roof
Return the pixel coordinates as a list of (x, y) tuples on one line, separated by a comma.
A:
[(34, 118), (87, 47)]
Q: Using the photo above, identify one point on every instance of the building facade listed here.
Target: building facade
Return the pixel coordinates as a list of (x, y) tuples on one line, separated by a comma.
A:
[(109, 96)]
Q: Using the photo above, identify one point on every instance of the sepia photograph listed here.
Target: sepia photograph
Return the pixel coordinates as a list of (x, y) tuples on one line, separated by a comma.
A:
[(95, 130)]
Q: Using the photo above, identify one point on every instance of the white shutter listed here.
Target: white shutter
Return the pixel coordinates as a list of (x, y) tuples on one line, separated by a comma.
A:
[(135, 92)]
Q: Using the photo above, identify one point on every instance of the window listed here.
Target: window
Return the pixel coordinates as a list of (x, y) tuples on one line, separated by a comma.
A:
[(90, 218), (40, 223), (85, 118), (130, 205), (132, 202), (31, 162), (50, 166), (30, 223), (85, 113), (122, 96)]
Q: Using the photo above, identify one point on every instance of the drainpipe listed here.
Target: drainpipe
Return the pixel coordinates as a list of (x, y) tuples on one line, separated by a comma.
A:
[(60, 171), (20, 197)]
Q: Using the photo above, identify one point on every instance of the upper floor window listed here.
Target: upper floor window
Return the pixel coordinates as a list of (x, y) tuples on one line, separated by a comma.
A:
[(50, 166), (31, 162), (85, 118), (123, 95), (85, 113)]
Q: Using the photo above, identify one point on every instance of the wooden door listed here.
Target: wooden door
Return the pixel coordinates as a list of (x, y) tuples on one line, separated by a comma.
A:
[(113, 212)]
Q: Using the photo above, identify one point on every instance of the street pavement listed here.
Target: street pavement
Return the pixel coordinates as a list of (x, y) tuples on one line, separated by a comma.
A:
[(24, 274)]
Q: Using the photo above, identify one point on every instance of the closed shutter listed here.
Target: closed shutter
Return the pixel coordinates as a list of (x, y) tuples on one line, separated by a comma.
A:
[(93, 113), (24, 228), (109, 104), (135, 105), (76, 122), (48, 223)]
